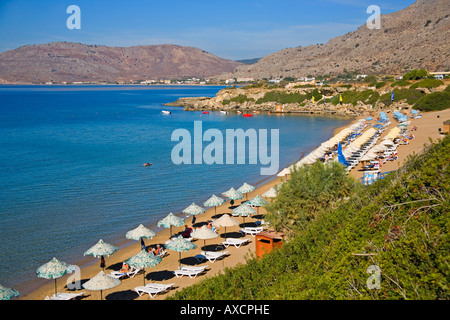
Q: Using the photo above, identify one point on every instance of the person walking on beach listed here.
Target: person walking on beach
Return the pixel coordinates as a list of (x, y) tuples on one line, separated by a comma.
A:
[(102, 262), (143, 244)]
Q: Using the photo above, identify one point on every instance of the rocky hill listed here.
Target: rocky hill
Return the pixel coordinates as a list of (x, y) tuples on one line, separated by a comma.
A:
[(357, 99), (413, 38), (73, 62)]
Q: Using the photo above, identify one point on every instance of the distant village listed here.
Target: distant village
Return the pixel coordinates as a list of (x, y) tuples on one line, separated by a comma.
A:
[(287, 81)]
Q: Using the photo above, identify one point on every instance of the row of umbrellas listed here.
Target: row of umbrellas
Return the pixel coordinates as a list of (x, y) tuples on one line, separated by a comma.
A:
[(55, 269)]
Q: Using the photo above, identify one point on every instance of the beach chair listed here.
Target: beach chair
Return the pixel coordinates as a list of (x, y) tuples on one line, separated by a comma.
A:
[(251, 230), (65, 296), (235, 242), (192, 272), (152, 289), (120, 275), (211, 256)]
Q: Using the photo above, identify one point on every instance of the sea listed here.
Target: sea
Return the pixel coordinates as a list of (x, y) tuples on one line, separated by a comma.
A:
[(71, 165)]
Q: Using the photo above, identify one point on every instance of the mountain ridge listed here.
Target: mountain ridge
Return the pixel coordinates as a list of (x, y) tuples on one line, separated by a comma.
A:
[(413, 38), (72, 62)]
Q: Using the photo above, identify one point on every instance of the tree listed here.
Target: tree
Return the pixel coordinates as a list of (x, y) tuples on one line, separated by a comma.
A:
[(310, 191), (415, 75)]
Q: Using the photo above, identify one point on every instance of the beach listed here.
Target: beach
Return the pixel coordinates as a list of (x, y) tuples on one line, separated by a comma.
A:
[(162, 273), (427, 127)]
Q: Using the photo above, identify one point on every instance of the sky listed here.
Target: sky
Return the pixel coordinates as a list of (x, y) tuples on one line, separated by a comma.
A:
[(230, 29)]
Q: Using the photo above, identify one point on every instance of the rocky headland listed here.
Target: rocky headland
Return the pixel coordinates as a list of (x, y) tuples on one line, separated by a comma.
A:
[(357, 99)]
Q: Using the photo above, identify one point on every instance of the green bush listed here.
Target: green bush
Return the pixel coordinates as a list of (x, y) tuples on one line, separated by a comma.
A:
[(239, 99), (411, 96), (353, 96), (282, 97), (427, 83), (434, 102), (401, 83), (402, 221), (312, 190), (415, 75)]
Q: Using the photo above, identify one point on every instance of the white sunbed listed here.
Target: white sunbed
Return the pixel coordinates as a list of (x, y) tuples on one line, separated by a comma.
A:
[(192, 272), (235, 242), (211, 256), (119, 275), (251, 230), (65, 296), (152, 289)]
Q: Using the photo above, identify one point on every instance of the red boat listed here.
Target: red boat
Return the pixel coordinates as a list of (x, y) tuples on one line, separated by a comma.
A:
[(248, 115), (205, 112)]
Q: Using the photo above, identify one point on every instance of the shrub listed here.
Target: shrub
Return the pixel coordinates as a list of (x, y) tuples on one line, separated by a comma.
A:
[(433, 102), (427, 83), (415, 75), (400, 83), (312, 190), (403, 220), (411, 96)]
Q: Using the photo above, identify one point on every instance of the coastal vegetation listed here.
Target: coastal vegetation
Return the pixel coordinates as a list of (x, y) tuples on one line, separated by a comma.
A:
[(434, 102), (399, 224)]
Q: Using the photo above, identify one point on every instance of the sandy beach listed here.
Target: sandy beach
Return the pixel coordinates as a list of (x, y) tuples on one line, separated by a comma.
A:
[(162, 273)]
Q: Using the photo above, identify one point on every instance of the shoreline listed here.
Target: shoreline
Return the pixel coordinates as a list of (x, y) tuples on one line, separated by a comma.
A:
[(427, 128), (37, 289)]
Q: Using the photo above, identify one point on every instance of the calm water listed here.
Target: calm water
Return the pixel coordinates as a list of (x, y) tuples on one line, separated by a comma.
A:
[(71, 165)]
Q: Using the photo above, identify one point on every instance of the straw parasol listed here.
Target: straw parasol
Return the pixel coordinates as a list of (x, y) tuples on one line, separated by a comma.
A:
[(225, 221), (101, 282), (193, 209), (204, 233), (169, 221), (180, 244), (139, 233), (233, 194), (246, 188), (144, 260), (101, 249), (244, 210), (7, 293), (271, 193), (53, 269), (257, 202), (214, 201)]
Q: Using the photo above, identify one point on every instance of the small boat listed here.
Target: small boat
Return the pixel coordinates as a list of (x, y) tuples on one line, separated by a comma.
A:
[(223, 112), (247, 115), (205, 112), (166, 112)]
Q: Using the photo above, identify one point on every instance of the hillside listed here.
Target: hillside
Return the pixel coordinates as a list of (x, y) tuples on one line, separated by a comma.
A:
[(399, 224), (413, 38), (357, 98), (73, 62)]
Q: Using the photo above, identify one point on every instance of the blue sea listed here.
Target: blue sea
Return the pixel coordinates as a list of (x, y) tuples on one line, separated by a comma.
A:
[(71, 165)]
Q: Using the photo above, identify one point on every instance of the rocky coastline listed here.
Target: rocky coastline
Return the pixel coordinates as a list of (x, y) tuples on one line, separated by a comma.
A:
[(248, 99)]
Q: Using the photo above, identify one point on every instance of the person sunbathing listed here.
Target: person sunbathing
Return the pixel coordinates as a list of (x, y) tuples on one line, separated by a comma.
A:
[(125, 268), (187, 232)]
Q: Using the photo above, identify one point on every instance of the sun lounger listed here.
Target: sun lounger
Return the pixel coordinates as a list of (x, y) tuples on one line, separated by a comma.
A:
[(211, 256), (152, 289), (65, 296), (192, 272), (235, 242), (120, 275), (251, 230), (160, 285)]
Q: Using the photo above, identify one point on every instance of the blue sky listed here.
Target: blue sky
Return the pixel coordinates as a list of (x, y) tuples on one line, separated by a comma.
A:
[(230, 29)]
